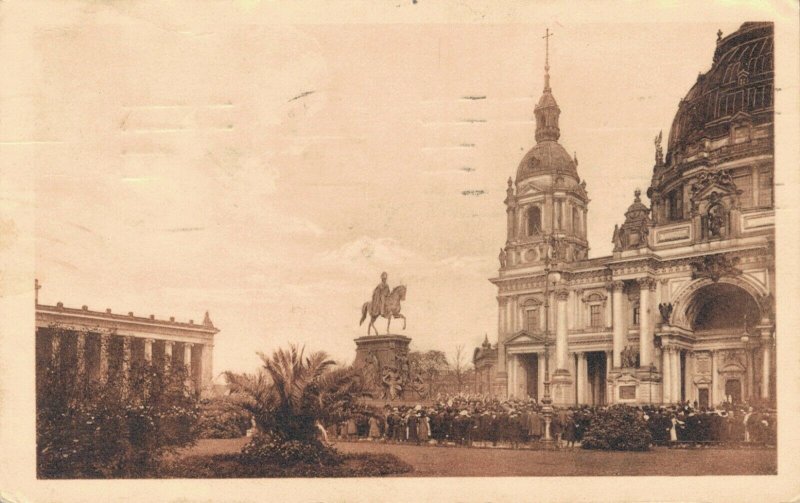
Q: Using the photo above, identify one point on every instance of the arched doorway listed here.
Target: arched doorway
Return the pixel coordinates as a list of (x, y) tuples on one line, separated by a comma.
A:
[(722, 306), (720, 314)]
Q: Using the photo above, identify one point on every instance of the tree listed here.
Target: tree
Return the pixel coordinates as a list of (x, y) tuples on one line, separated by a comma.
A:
[(429, 365), (291, 393), (458, 367)]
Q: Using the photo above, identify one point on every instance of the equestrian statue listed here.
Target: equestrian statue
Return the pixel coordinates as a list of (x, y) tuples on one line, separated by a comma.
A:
[(386, 303)]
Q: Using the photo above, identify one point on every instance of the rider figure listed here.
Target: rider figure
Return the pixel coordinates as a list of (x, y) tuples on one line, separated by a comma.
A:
[(379, 296)]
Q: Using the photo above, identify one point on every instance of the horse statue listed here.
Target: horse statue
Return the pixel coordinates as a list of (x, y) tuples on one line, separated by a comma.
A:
[(391, 309)]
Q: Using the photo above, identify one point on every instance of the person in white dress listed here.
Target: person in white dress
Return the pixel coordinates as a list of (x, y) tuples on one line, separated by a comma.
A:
[(673, 433)]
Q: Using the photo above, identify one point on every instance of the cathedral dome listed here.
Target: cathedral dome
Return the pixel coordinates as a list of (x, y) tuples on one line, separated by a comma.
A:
[(546, 157), (739, 82)]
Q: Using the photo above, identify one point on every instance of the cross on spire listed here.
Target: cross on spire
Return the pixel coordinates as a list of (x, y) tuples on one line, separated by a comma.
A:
[(546, 38)]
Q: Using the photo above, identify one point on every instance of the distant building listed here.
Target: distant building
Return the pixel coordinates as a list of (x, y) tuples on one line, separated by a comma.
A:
[(683, 310), (98, 339), (485, 360)]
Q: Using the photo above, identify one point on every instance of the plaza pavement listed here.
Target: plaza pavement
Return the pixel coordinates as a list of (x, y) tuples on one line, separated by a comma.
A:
[(432, 461)]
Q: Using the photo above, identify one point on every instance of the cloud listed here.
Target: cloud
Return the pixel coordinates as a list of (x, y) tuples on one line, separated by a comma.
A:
[(370, 251)]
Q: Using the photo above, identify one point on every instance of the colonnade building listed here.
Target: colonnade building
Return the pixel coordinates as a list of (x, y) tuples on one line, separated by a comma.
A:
[(683, 310), (96, 340)]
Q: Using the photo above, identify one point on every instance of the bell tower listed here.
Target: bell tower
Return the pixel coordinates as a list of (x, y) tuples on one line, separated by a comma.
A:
[(547, 203)]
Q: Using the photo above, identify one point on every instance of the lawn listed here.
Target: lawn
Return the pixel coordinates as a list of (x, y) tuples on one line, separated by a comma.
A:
[(211, 458)]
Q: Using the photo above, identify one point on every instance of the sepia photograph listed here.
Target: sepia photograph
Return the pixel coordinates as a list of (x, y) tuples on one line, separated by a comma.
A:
[(410, 247)]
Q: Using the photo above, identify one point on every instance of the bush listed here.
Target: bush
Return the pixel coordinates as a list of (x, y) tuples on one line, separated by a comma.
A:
[(270, 449), (618, 428), (118, 428), (222, 417)]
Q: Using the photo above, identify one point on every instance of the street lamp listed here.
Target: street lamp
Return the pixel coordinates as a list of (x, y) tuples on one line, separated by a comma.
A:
[(748, 367), (547, 408)]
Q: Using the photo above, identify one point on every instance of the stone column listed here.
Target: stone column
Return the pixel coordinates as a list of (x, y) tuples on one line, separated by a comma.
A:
[(187, 356), (765, 369), (562, 349), (514, 315), (148, 350), (503, 305), (646, 347), (501, 318), (55, 350), (712, 393), (168, 354), (688, 385), (512, 376), (618, 322), (583, 378), (510, 219), (666, 371), (80, 355), (125, 362), (676, 375), (571, 311), (540, 376), (751, 370), (607, 381), (102, 367), (206, 367)]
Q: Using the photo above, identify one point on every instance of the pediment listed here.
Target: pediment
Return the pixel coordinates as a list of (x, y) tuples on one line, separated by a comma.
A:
[(720, 182), (741, 118), (525, 337)]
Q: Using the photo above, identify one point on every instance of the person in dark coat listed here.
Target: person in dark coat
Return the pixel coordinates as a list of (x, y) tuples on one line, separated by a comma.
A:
[(412, 427), (570, 431), (555, 430), (535, 426)]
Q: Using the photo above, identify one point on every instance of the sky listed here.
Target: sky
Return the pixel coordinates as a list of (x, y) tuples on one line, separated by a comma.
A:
[(268, 172)]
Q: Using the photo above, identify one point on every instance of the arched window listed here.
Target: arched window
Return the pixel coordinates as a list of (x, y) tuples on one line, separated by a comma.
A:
[(532, 319), (635, 314), (675, 204), (595, 319), (534, 221)]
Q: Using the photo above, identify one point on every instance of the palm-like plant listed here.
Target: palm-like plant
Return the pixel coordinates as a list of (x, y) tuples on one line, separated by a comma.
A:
[(292, 392)]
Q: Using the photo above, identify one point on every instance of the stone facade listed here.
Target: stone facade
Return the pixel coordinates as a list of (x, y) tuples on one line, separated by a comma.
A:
[(683, 310), (99, 337)]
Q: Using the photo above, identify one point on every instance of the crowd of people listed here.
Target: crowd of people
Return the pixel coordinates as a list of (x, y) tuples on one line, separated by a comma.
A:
[(478, 421)]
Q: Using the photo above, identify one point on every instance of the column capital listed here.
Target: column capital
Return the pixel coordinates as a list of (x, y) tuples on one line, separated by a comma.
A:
[(188, 344), (617, 285), (646, 283), (169, 343), (149, 340), (562, 294)]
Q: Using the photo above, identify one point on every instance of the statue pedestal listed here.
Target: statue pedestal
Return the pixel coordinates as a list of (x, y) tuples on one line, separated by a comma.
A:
[(384, 347), (562, 388), (378, 354), (632, 385)]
